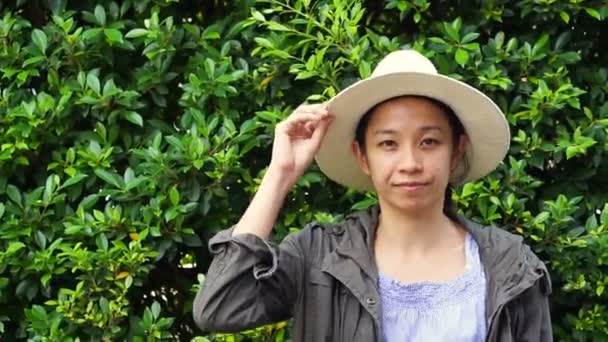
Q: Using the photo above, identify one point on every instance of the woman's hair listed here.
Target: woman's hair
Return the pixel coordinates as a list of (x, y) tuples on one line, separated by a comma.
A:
[(456, 126)]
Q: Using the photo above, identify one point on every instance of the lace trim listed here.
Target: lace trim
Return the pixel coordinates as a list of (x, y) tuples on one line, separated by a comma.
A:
[(428, 296)]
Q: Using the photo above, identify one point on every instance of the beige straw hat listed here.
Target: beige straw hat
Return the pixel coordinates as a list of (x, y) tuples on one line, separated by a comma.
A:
[(407, 72)]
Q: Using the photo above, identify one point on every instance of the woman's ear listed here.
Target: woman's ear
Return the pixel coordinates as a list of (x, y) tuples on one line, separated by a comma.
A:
[(459, 151), (359, 154)]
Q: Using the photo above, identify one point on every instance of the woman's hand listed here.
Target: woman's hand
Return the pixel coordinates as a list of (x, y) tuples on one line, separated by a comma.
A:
[(297, 140)]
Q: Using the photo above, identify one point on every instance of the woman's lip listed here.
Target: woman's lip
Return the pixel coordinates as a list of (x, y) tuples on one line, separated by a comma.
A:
[(410, 186)]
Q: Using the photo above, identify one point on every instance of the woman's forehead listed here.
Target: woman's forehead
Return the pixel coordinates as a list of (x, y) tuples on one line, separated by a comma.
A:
[(408, 112)]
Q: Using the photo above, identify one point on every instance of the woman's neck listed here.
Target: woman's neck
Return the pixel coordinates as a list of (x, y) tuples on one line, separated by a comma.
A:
[(416, 232)]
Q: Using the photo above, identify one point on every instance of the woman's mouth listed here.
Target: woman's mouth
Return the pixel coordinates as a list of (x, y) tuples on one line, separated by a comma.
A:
[(410, 186)]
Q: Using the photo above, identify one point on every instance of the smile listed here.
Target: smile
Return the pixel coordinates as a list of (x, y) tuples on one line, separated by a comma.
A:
[(410, 186)]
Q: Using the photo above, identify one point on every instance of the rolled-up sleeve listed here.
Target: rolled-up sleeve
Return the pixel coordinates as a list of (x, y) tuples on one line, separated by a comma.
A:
[(250, 282)]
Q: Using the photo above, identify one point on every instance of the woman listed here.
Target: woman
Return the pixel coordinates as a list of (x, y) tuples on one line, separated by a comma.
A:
[(409, 269)]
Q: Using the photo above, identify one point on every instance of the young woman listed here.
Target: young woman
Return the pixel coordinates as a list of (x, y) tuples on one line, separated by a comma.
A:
[(409, 269)]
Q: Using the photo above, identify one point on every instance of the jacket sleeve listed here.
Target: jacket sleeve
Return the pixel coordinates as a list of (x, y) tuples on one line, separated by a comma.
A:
[(250, 282), (534, 319)]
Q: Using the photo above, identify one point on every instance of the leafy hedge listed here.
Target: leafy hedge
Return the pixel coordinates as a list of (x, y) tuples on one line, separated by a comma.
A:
[(131, 131)]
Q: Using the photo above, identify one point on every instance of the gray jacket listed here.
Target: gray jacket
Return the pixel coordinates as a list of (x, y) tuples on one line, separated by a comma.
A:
[(325, 278)]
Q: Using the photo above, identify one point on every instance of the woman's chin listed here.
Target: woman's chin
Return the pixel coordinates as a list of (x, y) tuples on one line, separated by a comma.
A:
[(410, 204)]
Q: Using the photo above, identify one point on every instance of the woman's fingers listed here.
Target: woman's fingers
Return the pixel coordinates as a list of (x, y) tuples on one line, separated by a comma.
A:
[(296, 123), (320, 109), (321, 129), (304, 121)]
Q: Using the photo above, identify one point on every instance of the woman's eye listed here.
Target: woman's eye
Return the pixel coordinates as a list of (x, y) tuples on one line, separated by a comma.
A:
[(430, 142), (387, 143)]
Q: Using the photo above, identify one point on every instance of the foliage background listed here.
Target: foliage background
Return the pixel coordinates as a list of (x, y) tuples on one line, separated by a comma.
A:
[(131, 131)]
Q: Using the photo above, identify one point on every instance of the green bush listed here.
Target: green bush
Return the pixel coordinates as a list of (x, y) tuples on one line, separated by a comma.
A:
[(132, 131)]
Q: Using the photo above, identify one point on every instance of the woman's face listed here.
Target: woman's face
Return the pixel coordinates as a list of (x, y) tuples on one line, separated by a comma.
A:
[(409, 153)]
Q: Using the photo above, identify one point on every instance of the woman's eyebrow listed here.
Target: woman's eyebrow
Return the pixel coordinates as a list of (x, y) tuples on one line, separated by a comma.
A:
[(386, 131), (394, 131), (430, 128)]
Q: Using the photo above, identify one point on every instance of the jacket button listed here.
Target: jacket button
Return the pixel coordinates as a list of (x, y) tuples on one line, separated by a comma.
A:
[(371, 301)]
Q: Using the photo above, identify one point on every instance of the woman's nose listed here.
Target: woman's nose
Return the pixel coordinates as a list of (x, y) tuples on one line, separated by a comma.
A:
[(409, 161)]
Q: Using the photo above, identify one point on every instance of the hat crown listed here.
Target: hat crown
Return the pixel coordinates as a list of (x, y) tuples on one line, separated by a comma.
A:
[(404, 61)]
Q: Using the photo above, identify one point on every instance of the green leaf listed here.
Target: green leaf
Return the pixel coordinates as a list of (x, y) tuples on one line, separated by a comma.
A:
[(238, 74), (453, 30), (14, 194), (365, 69), (113, 36), (95, 148), (109, 177), (469, 37), (102, 242), (210, 34), (565, 16), (457, 24), (40, 40), (38, 314), (210, 67), (74, 180), (136, 33), (89, 201), (540, 44), (134, 183), (129, 175), (174, 196), (280, 53), (93, 83), (148, 318), (91, 33), (438, 40), (594, 13), (171, 214), (273, 25), (257, 15), (306, 74), (591, 223), (570, 57), (264, 42), (40, 239), (104, 305), (100, 15), (467, 190), (99, 216), (14, 247), (110, 89), (461, 57), (135, 118), (33, 61), (49, 188), (72, 229), (155, 310)]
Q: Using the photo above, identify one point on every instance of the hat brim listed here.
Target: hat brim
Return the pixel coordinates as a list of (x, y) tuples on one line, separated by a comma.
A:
[(484, 123)]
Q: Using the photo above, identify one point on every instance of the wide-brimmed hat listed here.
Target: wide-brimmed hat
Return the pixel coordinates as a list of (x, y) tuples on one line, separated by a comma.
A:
[(407, 72)]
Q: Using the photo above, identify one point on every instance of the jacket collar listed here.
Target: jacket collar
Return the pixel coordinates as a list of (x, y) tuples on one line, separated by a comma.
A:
[(353, 262), (510, 265)]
